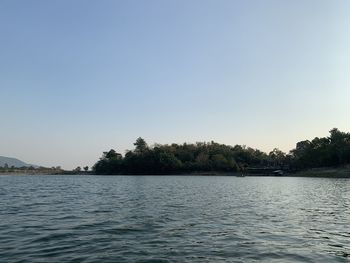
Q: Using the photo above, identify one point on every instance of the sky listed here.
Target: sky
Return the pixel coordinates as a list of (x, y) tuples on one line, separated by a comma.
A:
[(81, 77)]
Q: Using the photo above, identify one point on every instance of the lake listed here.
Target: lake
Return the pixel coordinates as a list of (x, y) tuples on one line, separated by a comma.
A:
[(174, 219)]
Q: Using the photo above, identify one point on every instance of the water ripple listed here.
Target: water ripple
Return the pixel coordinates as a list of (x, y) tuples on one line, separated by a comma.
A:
[(173, 219)]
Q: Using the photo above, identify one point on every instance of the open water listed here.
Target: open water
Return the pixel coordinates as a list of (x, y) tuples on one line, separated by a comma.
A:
[(174, 219)]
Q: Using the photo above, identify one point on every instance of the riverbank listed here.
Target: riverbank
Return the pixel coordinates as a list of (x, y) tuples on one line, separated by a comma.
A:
[(334, 172), (43, 172), (21, 171)]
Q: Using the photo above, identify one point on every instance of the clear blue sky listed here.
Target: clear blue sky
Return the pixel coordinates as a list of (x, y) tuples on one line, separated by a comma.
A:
[(81, 77)]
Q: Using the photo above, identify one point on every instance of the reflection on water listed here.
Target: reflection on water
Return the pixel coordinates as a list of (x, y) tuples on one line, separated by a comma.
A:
[(173, 219)]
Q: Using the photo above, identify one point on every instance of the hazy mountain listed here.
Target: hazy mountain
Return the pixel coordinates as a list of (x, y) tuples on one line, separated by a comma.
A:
[(13, 162)]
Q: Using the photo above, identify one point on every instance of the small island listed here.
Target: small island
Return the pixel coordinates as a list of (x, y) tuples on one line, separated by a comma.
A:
[(327, 156)]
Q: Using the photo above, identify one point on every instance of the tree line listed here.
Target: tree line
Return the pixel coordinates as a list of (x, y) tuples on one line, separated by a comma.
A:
[(30, 169), (333, 150)]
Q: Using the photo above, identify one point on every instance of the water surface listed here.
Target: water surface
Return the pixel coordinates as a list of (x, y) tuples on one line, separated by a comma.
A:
[(173, 219)]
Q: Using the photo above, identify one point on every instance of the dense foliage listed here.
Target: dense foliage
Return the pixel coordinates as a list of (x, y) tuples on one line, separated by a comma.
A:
[(205, 157), (176, 158), (333, 150)]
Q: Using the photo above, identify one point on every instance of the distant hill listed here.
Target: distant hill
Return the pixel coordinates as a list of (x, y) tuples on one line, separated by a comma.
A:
[(13, 162)]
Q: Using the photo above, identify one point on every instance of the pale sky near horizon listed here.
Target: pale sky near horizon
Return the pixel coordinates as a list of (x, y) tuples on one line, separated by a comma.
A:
[(81, 77)]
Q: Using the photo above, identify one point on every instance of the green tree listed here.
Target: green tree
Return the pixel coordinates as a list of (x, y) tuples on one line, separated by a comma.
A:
[(277, 157), (219, 162), (111, 154), (140, 146)]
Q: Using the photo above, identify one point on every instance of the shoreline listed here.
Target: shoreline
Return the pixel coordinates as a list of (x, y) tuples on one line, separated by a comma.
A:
[(311, 173)]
